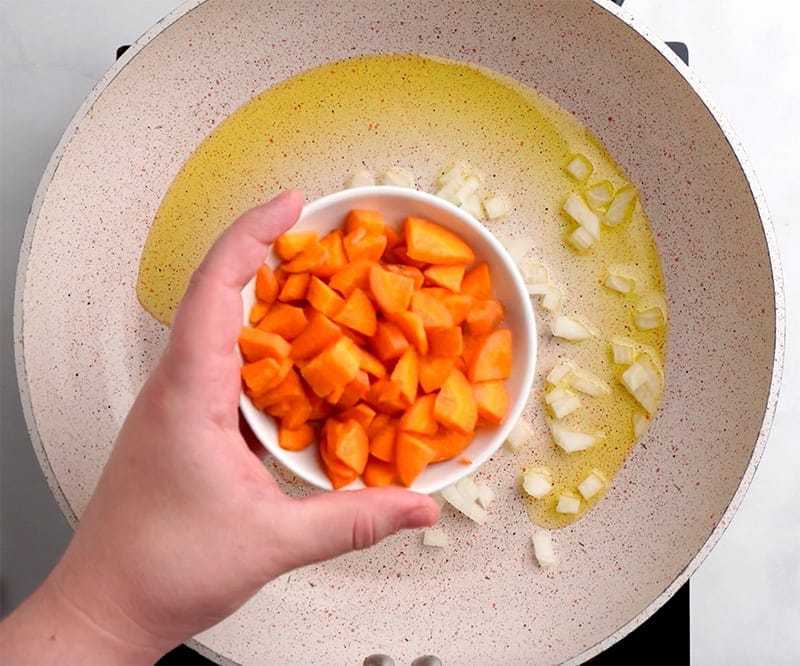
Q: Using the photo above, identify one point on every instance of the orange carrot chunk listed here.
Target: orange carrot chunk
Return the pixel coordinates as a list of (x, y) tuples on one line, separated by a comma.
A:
[(295, 287), (492, 400), (378, 473), (319, 333), (323, 298), (392, 292), (351, 276), (331, 369), (455, 405), (446, 276), (348, 442), (288, 245), (388, 343), (431, 310), (411, 456), (492, 358), (434, 371), (419, 416), (286, 320), (370, 221), (485, 315), (256, 344), (334, 257), (434, 244), (360, 244), (357, 313), (266, 284), (406, 375), (410, 325), (296, 439), (477, 282), (381, 438), (445, 341)]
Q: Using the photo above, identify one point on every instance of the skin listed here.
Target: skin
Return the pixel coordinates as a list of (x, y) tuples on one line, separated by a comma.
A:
[(186, 523)]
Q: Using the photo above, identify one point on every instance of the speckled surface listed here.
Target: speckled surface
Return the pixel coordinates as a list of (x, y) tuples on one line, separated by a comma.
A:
[(86, 345)]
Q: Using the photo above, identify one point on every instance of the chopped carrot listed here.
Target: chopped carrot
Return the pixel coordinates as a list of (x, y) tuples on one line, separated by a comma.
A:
[(409, 271), (411, 456), (448, 443), (485, 315), (260, 376), (360, 412), (288, 245), (307, 259), (459, 306), (448, 277), (291, 388), (382, 438), (434, 244), (388, 343), (384, 395), (286, 320), (410, 325), (351, 276), (332, 368), (295, 287), (359, 244), (370, 364), (339, 473), (266, 284), (432, 312), (378, 473), (445, 341), (334, 257), (353, 391), (319, 333), (406, 375), (370, 221), (434, 371), (477, 282), (419, 416), (357, 313), (492, 359), (492, 400), (392, 292), (258, 311), (348, 442), (455, 405), (293, 412), (393, 237), (256, 344), (296, 439), (323, 298)]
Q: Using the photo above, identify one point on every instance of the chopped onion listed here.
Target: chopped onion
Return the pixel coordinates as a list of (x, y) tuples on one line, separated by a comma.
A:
[(648, 319), (621, 208), (433, 536), (519, 436), (571, 440), (496, 206), (561, 401), (536, 482), (398, 177), (590, 384), (456, 172), (361, 178), (543, 548), (485, 494), (468, 489), (579, 167), (472, 205), (561, 373), (471, 509), (599, 195), (469, 186), (551, 299), (580, 239), (569, 329), (568, 504), (517, 247), (622, 352), (641, 422), (537, 288), (643, 382), (592, 484), (577, 209), (533, 272)]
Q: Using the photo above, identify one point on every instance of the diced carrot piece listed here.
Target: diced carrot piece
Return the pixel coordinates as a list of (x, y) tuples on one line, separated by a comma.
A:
[(484, 316), (296, 439), (391, 291), (448, 443), (295, 412), (434, 244), (388, 343), (477, 282), (334, 258), (319, 333), (307, 259), (492, 358), (351, 276), (472, 342), (258, 311), (323, 298), (360, 244), (381, 439), (256, 344), (370, 364), (294, 289), (399, 256), (433, 371), (332, 368), (393, 237), (360, 412), (288, 245), (266, 284), (357, 313), (370, 221), (339, 473), (445, 341), (286, 320), (448, 277), (410, 325), (455, 405), (359, 338), (492, 400), (291, 388), (459, 306), (348, 442), (411, 456), (353, 391), (432, 312), (439, 293), (265, 374), (384, 395), (406, 375), (378, 473), (409, 271), (419, 416), (320, 408)]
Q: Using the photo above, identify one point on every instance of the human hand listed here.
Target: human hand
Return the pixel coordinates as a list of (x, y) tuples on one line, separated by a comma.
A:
[(186, 523)]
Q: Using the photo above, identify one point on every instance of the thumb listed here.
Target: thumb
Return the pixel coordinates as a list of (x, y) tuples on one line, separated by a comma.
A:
[(333, 523)]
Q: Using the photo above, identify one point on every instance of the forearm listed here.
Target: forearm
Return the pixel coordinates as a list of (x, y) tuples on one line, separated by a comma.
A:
[(50, 628)]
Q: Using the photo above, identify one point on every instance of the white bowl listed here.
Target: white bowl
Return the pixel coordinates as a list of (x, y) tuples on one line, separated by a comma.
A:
[(395, 204)]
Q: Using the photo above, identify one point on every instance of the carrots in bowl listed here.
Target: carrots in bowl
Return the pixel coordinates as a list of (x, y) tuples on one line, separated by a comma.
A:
[(384, 347)]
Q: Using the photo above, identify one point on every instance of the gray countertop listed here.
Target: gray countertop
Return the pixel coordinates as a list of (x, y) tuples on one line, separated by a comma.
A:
[(745, 598)]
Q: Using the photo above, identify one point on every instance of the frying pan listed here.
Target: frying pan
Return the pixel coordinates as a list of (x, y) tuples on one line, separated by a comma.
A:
[(84, 345)]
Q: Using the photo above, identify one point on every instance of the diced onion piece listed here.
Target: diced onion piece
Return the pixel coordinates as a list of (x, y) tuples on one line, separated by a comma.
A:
[(433, 536), (576, 208), (599, 195), (648, 319), (472, 205), (533, 272), (561, 401), (622, 352), (496, 206), (543, 548), (551, 299), (517, 247), (561, 373), (469, 186), (580, 239), (641, 422), (589, 383), (621, 208), (485, 494), (569, 329), (537, 288), (592, 484), (643, 382), (448, 192), (519, 436), (579, 167), (620, 283), (571, 440), (536, 482), (361, 178), (471, 509), (468, 488), (398, 177), (456, 172), (568, 504)]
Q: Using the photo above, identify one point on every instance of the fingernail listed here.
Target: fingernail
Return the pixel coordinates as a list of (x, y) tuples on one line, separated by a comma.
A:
[(420, 516)]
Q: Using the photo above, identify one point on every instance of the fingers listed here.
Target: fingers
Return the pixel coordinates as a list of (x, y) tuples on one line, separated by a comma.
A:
[(330, 524)]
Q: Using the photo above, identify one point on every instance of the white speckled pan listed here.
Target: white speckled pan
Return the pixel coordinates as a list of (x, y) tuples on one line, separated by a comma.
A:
[(84, 345)]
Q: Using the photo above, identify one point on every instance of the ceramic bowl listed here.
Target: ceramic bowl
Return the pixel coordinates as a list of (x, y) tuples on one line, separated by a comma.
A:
[(395, 204)]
